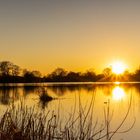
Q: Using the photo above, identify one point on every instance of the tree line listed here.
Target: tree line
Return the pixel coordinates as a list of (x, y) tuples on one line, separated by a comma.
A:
[(11, 73)]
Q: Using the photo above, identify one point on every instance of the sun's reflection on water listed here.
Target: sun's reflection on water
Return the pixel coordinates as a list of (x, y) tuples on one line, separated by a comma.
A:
[(118, 93)]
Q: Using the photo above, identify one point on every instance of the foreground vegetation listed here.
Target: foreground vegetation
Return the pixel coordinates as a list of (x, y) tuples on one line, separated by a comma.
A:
[(24, 123), (11, 73)]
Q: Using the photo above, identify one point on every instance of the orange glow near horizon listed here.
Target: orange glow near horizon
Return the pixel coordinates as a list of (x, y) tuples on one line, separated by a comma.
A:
[(72, 35)]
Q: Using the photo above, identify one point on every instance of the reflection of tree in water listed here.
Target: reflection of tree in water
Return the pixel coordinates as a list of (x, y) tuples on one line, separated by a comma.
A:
[(106, 88), (30, 89), (9, 94), (60, 90), (133, 86)]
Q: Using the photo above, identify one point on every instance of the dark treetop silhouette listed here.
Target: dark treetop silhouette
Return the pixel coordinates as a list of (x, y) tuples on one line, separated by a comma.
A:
[(11, 73)]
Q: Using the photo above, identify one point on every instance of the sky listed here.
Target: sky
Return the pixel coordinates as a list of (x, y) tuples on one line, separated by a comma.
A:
[(73, 34)]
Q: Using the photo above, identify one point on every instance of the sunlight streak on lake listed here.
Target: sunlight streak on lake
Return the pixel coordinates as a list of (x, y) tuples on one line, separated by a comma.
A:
[(118, 93)]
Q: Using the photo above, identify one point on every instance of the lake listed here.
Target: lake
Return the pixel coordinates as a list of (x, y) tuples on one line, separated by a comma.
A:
[(116, 101)]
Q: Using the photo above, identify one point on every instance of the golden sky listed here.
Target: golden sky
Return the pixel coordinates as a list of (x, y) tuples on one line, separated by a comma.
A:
[(74, 34)]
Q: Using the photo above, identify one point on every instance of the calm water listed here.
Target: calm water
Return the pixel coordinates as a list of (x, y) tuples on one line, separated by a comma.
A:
[(68, 98)]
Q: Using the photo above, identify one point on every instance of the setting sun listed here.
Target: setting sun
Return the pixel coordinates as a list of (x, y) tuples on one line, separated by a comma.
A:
[(118, 67)]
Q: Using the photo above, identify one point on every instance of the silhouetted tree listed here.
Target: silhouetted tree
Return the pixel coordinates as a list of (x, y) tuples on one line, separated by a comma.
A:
[(107, 72), (6, 68), (58, 75), (36, 74), (89, 76), (126, 76), (15, 70), (74, 76), (31, 76), (9, 72), (59, 72), (136, 75)]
